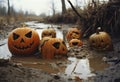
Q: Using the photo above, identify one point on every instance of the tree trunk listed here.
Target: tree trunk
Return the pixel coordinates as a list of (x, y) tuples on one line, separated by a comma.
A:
[(63, 6), (53, 8), (8, 8), (8, 13)]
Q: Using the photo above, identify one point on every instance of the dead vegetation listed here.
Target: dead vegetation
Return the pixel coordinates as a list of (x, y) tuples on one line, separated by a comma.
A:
[(104, 15), (68, 17)]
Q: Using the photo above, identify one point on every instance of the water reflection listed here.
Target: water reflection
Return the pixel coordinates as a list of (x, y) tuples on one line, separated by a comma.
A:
[(41, 26), (79, 68), (4, 52)]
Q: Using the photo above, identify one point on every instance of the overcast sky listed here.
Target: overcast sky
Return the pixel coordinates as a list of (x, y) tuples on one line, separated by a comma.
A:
[(42, 6)]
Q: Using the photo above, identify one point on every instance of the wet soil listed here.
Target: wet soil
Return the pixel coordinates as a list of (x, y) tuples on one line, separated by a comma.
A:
[(12, 72), (51, 66), (104, 64), (58, 66)]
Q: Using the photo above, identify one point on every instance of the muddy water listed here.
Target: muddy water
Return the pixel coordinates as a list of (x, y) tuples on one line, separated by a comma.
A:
[(71, 67), (79, 68), (4, 51), (50, 66), (39, 27)]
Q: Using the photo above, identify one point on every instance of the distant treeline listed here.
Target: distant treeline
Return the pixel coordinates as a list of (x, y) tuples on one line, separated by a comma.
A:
[(13, 12)]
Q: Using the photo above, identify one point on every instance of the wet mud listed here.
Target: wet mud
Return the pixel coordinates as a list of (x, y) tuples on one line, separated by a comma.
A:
[(99, 66)]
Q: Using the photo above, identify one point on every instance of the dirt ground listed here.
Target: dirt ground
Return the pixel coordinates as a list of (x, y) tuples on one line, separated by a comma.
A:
[(34, 68), (104, 64)]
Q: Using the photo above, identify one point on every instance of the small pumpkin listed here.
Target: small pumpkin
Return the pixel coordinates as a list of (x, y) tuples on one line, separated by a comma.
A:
[(75, 42), (48, 33), (73, 33), (100, 40), (23, 41), (53, 47)]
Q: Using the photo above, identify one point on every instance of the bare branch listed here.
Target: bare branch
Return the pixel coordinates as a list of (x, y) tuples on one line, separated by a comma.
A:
[(81, 18)]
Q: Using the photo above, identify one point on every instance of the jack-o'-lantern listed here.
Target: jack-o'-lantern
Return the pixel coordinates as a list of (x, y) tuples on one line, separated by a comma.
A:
[(48, 33), (53, 47), (75, 42), (42, 41), (23, 41), (73, 33), (100, 40)]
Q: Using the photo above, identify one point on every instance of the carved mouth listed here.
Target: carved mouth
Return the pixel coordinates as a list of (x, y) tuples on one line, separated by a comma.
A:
[(24, 47), (75, 43)]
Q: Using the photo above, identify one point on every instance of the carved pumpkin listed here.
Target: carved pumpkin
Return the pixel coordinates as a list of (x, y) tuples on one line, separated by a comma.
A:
[(42, 41), (73, 33), (75, 42), (23, 41), (49, 33), (100, 40), (53, 47)]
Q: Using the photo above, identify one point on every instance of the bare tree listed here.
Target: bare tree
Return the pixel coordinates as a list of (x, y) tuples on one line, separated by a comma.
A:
[(8, 5), (8, 2), (63, 6), (8, 12), (53, 7)]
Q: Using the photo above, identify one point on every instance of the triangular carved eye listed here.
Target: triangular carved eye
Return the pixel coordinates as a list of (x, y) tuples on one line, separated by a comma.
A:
[(29, 34), (15, 36), (56, 45)]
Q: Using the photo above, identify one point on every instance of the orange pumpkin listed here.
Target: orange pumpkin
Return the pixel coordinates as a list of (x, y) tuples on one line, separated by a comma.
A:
[(53, 47), (73, 33), (100, 40), (48, 33), (23, 41), (75, 42), (42, 41)]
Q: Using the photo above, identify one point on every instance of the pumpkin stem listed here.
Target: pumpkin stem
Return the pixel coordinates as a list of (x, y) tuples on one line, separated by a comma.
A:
[(98, 30)]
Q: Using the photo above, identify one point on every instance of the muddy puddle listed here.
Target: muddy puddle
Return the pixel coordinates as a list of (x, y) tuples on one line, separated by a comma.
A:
[(72, 67), (50, 66), (39, 27)]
